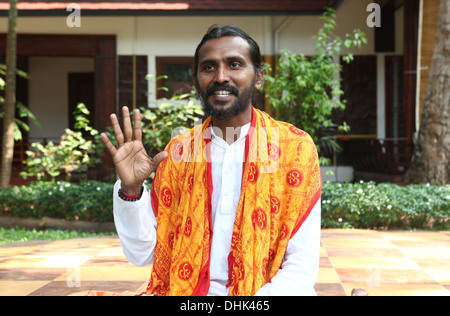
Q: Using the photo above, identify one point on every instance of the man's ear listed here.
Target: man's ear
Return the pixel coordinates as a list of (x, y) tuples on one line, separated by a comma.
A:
[(259, 79)]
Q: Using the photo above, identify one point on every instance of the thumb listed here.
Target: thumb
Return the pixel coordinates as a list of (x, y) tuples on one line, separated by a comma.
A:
[(159, 158)]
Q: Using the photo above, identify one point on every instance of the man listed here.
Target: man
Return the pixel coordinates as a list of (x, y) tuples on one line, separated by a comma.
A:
[(234, 207)]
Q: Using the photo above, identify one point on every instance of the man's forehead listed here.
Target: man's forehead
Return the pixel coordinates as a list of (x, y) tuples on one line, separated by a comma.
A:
[(218, 48)]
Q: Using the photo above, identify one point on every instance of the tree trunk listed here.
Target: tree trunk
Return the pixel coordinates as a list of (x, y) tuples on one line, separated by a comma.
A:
[(10, 97), (431, 157)]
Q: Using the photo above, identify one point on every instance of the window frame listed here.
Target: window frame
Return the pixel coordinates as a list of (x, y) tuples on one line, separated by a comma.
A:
[(173, 60)]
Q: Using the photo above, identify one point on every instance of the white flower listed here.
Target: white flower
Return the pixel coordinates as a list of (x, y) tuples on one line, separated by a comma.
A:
[(98, 188), (359, 191), (340, 220), (389, 207)]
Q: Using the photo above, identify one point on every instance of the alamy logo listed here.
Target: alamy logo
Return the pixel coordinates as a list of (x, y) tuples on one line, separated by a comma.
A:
[(374, 19), (74, 277), (74, 18)]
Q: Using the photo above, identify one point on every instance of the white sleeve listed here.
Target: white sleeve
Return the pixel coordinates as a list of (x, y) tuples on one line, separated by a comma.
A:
[(300, 267), (136, 226)]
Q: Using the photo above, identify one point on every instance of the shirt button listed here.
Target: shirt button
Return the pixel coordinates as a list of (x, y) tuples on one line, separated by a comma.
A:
[(227, 171)]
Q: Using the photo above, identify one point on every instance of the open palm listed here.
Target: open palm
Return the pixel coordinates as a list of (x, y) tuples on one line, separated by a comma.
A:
[(130, 158)]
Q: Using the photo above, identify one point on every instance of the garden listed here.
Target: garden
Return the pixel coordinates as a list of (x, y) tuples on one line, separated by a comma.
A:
[(59, 207), (365, 205), (303, 91)]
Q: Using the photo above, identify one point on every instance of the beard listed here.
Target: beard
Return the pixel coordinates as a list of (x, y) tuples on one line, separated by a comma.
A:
[(242, 102)]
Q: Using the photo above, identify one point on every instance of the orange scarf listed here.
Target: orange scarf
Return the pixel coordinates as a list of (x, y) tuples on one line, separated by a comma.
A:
[(281, 183)]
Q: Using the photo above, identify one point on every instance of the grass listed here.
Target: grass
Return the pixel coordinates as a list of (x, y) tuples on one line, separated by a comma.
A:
[(9, 235)]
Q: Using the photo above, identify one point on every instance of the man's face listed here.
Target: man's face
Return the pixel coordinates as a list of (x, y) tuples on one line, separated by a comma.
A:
[(226, 79)]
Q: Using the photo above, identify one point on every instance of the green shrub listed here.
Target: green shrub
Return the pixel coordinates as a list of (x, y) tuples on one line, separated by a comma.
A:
[(306, 90), (89, 201), (74, 152), (169, 119), (386, 205), (344, 205)]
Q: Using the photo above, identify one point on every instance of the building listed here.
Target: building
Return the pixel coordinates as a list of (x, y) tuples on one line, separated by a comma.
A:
[(99, 52)]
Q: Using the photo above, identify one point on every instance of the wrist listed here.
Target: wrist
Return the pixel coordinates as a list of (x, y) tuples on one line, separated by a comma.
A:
[(131, 197), (131, 191)]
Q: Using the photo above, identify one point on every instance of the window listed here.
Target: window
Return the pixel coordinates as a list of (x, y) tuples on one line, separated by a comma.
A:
[(179, 72)]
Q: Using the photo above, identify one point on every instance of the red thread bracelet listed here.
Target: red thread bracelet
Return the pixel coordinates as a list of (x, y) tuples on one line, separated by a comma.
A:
[(130, 198)]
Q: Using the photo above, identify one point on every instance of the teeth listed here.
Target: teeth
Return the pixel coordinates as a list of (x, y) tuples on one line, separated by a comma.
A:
[(222, 92)]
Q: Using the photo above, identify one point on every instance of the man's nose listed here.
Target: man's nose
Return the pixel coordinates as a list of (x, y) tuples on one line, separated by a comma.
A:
[(222, 75)]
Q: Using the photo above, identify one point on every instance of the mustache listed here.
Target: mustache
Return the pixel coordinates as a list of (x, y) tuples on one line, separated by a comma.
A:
[(223, 86)]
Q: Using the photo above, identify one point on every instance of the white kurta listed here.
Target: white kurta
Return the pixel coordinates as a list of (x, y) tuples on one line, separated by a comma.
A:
[(136, 226)]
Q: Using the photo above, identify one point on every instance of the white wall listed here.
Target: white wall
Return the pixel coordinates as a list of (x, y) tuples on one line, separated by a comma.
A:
[(48, 93)]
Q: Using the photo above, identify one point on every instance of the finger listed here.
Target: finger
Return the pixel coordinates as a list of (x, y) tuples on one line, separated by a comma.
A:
[(109, 146), (159, 158), (117, 130), (137, 125), (127, 128)]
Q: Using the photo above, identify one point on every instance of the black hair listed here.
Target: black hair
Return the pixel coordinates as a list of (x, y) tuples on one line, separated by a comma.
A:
[(216, 31)]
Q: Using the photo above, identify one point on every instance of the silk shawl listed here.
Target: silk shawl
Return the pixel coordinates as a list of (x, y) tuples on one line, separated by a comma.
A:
[(281, 183)]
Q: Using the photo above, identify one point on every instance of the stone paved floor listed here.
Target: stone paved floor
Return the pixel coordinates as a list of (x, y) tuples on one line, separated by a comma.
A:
[(399, 263)]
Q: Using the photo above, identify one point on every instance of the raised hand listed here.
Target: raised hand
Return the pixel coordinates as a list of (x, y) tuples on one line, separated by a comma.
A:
[(132, 163)]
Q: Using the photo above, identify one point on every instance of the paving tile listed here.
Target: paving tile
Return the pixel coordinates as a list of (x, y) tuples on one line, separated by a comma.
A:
[(325, 262), (327, 275), (441, 276), (30, 274), (108, 274), (358, 243), (384, 276), (425, 252), (432, 263), (48, 261), (329, 289), (349, 234), (381, 262), (365, 252), (108, 262), (418, 240), (20, 288), (61, 288), (323, 252), (398, 289), (6, 251), (373, 263)]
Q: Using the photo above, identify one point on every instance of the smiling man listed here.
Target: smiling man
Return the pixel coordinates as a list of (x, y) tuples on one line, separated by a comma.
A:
[(234, 207)]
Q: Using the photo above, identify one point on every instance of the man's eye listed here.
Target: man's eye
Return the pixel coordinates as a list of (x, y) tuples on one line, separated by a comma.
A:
[(208, 67), (235, 64)]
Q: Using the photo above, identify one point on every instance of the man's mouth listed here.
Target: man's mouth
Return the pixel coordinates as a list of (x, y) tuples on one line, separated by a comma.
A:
[(225, 90), (222, 93)]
